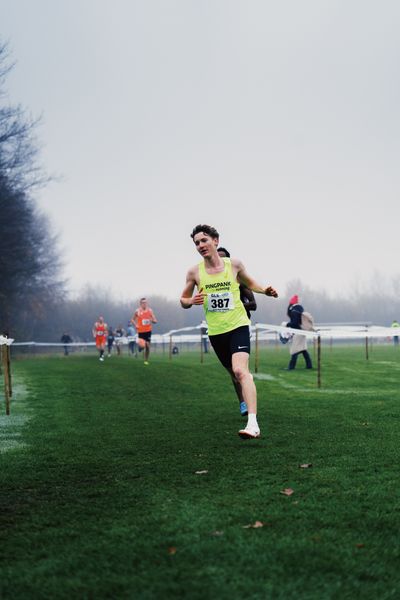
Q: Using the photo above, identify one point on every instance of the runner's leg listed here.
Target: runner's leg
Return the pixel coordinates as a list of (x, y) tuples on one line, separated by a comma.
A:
[(240, 368)]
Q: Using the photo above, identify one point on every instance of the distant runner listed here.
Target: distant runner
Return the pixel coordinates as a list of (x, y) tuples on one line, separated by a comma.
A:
[(217, 280), (100, 332), (143, 320)]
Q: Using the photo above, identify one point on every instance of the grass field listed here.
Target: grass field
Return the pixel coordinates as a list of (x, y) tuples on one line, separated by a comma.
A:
[(101, 495)]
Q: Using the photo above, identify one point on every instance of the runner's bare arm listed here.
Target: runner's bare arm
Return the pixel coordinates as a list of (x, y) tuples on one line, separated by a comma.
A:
[(153, 318), (187, 297), (251, 283)]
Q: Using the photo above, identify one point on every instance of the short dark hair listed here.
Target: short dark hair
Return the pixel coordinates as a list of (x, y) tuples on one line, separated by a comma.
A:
[(225, 251), (141, 299), (211, 231)]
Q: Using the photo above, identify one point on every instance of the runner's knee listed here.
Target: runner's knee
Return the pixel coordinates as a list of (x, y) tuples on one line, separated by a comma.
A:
[(240, 373)]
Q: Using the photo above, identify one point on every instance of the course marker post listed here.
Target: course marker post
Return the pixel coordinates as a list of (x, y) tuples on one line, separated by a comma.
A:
[(9, 369), (6, 374), (319, 361), (170, 346), (201, 346)]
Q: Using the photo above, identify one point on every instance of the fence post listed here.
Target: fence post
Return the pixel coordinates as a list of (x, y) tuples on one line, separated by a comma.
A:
[(5, 363), (9, 369), (201, 346), (319, 360), (170, 347)]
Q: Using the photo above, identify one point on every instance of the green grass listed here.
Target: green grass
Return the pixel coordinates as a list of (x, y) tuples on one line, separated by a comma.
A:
[(100, 497)]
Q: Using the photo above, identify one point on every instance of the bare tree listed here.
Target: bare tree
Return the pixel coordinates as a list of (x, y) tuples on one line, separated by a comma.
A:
[(29, 261)]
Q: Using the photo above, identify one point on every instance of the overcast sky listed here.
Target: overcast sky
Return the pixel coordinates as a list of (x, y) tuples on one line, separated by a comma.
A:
[(276, 122)]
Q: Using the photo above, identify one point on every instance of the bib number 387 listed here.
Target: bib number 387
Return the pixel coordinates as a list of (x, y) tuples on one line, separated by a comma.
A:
[(221, 302)]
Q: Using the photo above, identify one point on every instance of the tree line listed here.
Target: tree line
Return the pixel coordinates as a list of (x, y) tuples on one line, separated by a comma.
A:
[(30, 266), (76, 316)]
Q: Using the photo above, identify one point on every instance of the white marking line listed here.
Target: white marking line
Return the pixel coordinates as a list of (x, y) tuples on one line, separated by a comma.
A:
[(335, 391), (264, 376), (11, 426), (315, 390)]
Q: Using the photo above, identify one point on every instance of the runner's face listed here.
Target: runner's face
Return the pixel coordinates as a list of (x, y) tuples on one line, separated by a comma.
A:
[(205, 244), (143, 304)]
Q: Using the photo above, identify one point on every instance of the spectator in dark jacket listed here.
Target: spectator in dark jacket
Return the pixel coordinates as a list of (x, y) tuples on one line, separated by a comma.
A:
[(66, 339), (299, 342)]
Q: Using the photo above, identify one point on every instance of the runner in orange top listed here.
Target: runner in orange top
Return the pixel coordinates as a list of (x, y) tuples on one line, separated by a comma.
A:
[(100, 332), (143, 320)]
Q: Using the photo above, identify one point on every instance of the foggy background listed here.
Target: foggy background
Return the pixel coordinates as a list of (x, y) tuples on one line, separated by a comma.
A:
[(276, 123)]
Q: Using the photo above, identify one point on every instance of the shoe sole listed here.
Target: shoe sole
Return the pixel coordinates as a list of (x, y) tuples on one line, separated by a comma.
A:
[(245, 435)]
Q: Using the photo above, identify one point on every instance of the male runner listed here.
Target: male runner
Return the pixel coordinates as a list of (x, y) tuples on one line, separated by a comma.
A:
[(217, 280), (100, 332), (249, 303), (143, 320)]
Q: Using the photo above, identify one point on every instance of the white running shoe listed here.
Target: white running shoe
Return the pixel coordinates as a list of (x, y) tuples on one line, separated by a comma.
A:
[(249, 433), (101, 358)]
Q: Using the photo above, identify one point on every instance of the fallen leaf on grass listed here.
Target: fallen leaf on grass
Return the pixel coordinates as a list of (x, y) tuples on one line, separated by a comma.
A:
[(316, 538), (360, 545), (217, 533), (201, 472), (171, 550), (254, 525), (287, 492), (305, 465)]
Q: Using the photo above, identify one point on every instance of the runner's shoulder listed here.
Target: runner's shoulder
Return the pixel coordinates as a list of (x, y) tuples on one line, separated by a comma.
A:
[(193, 273), (237, 264)]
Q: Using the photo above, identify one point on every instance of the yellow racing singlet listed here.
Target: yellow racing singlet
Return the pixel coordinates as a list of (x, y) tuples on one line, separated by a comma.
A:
[(224, 311)]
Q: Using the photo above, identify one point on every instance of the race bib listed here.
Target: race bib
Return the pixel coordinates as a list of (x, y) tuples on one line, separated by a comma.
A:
[(146, 321), (221, 302)]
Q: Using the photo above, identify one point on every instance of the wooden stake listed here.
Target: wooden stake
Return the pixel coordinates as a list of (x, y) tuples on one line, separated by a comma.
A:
[(9, 369), (6, 377), (170, 347), (201, 346), (366, 348), (319, 360)]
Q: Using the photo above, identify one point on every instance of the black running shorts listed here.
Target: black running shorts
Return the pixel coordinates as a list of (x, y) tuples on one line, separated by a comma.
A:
[(226, 344), (145, 335)]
